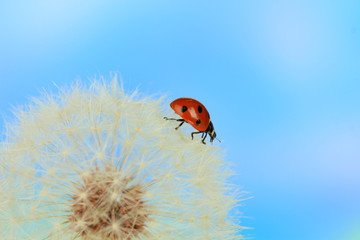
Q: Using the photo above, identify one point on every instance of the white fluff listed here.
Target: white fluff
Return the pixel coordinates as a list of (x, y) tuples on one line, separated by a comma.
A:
[(86, 139)]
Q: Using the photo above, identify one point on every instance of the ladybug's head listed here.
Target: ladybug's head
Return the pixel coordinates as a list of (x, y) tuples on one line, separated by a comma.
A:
[(211, 131)]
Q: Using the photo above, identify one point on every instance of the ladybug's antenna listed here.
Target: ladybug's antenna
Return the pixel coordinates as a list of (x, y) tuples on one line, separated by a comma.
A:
[(218, 140)]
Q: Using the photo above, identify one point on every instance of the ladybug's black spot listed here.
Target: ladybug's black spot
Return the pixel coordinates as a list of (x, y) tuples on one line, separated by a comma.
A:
[(198, 122), (199, 109), (183, 109)]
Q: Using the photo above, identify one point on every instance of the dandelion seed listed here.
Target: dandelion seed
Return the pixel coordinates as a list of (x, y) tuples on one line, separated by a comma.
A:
[(95, 163)]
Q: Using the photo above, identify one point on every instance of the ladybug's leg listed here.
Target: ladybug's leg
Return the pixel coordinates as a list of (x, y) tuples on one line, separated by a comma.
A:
[(166, 118), (203, 140), (192, 134), (179, 120), (182, 122)]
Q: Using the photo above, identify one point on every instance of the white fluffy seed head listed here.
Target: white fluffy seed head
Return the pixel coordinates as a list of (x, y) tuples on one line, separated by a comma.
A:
[(96, 163)]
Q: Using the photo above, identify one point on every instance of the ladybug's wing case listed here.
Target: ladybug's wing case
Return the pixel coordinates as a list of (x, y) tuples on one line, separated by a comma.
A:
[(193, 112)]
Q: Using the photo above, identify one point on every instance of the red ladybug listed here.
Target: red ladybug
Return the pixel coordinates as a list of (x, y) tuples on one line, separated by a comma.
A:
[(194, 113)]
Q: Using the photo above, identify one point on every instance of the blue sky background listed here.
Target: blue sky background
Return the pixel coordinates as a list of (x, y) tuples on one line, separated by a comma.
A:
[(281, 80)]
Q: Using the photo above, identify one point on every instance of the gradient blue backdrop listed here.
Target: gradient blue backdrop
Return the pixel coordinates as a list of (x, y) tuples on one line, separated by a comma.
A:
[(281, 80)]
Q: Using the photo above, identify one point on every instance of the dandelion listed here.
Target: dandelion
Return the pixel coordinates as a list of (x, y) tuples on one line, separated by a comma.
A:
[(96, 163)]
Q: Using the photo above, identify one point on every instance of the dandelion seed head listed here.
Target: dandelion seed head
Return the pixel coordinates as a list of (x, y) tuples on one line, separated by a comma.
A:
[(95, 163)]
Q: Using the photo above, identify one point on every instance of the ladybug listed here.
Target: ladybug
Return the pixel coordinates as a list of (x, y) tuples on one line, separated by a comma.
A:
[(194, 113)]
